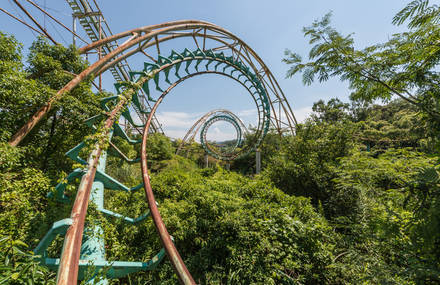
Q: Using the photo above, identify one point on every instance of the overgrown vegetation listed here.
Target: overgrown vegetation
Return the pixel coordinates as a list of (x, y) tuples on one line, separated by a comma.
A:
[(352, 198)]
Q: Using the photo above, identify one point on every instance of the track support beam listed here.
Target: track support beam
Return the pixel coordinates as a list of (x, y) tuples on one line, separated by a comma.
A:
[(258, 161)]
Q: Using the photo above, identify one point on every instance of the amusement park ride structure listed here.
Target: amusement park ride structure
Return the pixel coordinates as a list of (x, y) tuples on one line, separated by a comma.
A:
[(210, 50), (201, 127)]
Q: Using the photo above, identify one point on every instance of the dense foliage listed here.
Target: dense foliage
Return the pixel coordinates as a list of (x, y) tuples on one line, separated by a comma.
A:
[(352, 198), (29, 172)]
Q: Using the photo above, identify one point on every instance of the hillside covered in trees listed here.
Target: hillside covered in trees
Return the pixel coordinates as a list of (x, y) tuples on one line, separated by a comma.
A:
[(352, 198)]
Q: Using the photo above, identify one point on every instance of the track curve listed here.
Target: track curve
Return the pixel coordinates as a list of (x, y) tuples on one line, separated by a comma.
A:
[(194, 130), (207, 37), (223, 155), (174, 256)]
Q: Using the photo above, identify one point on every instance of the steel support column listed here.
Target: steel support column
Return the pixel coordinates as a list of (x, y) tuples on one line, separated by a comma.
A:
[(257, 161), (74, 30), (93, 247)]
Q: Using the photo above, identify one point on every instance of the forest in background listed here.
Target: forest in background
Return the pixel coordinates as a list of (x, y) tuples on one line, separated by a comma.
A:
[(352, 198)]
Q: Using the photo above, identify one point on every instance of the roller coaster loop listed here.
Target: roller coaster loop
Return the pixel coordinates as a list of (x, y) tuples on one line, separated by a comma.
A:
[(221, 52)]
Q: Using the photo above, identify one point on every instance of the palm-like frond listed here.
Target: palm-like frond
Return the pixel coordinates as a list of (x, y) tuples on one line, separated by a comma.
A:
[(418, 13)]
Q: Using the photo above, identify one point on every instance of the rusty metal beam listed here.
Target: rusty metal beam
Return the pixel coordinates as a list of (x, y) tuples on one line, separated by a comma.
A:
[(58, 22), (69, 262), (68, 268), (23, 22), (145, 34), (41, 113), (190, 134), (174, 256), (35, 22)]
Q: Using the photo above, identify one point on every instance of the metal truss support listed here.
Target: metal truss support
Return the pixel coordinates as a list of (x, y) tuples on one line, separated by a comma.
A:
[(85, 249), (92, 20), (93, 246)]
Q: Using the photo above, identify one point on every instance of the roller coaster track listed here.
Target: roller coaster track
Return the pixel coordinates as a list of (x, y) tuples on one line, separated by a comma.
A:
[(204, 122), (223, 153), (96, 27), (240, 63)]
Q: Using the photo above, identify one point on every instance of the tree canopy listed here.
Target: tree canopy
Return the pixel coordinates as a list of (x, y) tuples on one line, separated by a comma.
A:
[(404, 66)]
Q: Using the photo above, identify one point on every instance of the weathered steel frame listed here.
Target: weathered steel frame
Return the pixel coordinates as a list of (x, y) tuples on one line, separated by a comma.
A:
[(192, 132), (147, 36), (231, 155), (68, 269), (174, 256)]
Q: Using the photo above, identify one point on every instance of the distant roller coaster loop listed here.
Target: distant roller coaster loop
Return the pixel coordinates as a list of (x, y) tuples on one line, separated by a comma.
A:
[(211, 44), (229, 154), (195, 128)]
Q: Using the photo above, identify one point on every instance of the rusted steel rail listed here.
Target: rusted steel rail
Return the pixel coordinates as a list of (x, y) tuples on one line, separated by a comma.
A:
[(191, 133), (136, 41), (174, 256), (152, 36), (68, 268), (21, 21), (35, 22), (55, 19)]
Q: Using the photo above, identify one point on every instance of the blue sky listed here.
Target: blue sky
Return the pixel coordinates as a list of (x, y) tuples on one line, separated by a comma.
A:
[(269, 27)]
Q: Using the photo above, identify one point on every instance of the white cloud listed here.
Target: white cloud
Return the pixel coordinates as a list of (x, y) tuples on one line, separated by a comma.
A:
[(300, 114), (177, 119), (247, 113), (217, 130), (303, 113), (176, 134), (218, 135)]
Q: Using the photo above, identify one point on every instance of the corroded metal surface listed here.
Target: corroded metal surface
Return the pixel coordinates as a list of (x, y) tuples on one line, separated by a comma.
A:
[(174, 256), (68, 269)]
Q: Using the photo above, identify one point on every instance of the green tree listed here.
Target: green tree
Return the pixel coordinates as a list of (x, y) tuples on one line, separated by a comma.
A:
[(29, 172), (20, 266), (378, 206), (397, 124), (271, 144), (331, 112), (159, 147), (405, 66), (55, 66), (24, 89), (229, 229), (19, 96), (303, 165)]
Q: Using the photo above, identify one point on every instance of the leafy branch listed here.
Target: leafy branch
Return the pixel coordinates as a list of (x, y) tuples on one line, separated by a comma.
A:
[(404, 66)]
